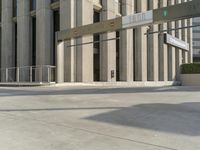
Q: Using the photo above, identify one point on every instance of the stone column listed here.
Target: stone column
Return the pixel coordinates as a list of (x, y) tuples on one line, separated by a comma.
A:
[(44, 38), (84, 53), (23, 39), (153, 48), (190, 53), (108, 48), (163, 51), (67, 21), (190, 40), (126, 46), (171, 51), (141, 47), (184, 38), (7, 46), (179, 57)]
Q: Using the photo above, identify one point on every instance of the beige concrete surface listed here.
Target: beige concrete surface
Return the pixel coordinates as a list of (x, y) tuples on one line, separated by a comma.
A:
[(85, 118)]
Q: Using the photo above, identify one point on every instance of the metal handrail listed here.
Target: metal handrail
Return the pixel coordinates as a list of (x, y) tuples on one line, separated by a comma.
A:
[(29, 67), (28, 73)]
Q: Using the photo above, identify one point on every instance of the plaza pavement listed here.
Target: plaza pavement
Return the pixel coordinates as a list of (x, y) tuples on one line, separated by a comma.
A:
[(99, 118)]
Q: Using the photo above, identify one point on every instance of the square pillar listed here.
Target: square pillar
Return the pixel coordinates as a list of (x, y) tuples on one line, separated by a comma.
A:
[(163, 51), (190, 41), (141, 47), (84, 53), (153, 48), (179, 58), (23, 39), (67, 21), (171, 51), (108, 48), (126, 46), (7, 40), (184, 38), (44, 38)]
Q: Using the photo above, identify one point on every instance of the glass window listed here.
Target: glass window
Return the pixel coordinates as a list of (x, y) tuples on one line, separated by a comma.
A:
[(0, 10), (56, 27), (32, 5), (96, 53), (14, 8), (53, 1)]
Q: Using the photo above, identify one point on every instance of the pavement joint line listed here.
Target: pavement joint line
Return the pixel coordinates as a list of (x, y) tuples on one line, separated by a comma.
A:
[(93, 132)]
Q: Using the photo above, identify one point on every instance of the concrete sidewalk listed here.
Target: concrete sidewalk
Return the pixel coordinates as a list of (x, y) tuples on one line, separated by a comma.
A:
[(92, 84), (99, 118), (25, 84)]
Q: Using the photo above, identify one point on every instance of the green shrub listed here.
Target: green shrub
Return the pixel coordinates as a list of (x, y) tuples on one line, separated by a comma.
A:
[(190, 68)]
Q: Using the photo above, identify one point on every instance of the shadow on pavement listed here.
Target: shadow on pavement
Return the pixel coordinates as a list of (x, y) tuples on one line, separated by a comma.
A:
[(181, 118)]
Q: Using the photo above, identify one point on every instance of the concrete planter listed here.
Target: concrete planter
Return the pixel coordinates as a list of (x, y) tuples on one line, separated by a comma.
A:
[(190, 79)]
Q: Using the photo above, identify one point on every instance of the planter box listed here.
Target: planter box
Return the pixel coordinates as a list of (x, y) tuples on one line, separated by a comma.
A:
[(190, 79)]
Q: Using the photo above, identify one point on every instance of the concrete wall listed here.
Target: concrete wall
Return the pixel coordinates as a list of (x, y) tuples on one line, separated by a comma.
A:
[(190, 79)]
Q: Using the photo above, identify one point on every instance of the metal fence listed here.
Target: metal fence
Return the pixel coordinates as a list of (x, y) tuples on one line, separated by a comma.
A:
[(45, 73)]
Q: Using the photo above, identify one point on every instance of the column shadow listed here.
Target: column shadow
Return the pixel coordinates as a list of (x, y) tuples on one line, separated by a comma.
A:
[(181, 118)]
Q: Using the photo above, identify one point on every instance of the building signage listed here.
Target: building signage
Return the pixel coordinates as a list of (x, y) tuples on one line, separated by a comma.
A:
[(90, 29), (138, 19), (176, 42), (180, 11)]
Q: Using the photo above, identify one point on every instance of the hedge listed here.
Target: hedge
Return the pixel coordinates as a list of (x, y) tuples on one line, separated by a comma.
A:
[(190, 68)]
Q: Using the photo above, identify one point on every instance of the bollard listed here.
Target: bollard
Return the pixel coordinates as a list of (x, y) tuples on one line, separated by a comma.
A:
[(31, 74), (6, 74), (49, 74), (17, 74)]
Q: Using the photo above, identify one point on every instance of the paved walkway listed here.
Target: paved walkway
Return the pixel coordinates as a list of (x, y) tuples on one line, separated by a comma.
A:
[(99, 118)]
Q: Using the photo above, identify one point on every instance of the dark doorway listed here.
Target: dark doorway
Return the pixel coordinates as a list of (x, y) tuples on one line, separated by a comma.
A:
[(56, 27), (33, 44), (117, 55), (96, 47)]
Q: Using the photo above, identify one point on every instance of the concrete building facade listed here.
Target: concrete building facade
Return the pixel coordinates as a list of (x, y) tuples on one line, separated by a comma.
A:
[(28, 30), (196, 39)]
